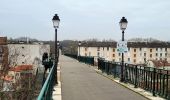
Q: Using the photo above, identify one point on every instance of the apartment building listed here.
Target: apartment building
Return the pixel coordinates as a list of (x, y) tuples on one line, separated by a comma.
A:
[(138, 52)]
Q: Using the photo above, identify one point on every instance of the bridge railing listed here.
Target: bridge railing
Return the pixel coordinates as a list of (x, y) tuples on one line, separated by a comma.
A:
[(71, 55), (154, 80), (47, 89), (84, 59)]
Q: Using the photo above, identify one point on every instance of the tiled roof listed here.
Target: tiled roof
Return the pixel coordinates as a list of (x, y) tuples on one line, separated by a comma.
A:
[(129, 44), (21, 68), (160, 63), (7, 78), (149, 44), (98, 44), (3, 40)]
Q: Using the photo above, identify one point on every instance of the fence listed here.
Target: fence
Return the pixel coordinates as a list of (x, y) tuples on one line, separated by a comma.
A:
[(111, 68), (87, 60), (84, 59), (47, 89), (71, 55), (151, 79)]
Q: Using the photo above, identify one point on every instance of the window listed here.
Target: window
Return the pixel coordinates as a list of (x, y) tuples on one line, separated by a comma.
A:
[(89, 53), (113, 55), (129, 59), (23, 55), (113, 50), (119, 54), (161, 49), (107, 48), (85, 54), (160, 54), (98, 54), (165, 54), (140, 49), (134, 60), (1, 58), (1, 49), (85, 49), (150, 55), (128, 49), (134, 50), (156, 58), (145, 54), (156, 49), (22, 62), (150, 50), (22, 47), (120, 59), (103, 48), (165, 49), (144, 59), (156, 54), (140, 54), (134, 55), (98, 48)]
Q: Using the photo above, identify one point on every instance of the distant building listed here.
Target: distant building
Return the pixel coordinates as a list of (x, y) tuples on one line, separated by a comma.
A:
[(22, 75), (3, 54), (138, 52), (160, 64)]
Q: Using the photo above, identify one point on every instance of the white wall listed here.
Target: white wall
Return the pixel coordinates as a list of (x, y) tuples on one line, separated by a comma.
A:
[(27, 54)]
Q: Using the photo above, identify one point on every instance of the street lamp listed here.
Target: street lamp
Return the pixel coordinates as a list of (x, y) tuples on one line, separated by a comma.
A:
[(123, 25), (78, 54), (56, 22), (58, 47), (79, 47)]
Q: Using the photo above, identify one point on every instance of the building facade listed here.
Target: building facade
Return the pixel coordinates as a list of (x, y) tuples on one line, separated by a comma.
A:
[(138, 52)]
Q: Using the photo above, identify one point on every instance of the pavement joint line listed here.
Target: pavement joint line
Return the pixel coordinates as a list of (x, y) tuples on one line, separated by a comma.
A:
[(128, 87)]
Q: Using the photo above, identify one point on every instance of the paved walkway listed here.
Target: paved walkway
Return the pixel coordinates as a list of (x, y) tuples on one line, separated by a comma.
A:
[(81, 82)]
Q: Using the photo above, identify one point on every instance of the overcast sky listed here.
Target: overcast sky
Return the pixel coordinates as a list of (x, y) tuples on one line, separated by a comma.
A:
[(84, 19)]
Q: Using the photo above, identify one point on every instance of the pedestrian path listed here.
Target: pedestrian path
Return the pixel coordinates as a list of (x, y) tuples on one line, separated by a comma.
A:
[(81, 82)]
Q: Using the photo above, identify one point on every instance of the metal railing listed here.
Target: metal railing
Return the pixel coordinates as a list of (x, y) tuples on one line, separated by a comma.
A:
[(71, 55), (84, 59), (151, 79), (47, 89)]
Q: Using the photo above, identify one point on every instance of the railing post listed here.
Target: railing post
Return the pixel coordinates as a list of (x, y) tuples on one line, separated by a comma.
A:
[(136, 76), (166, 95), (154, 75), (126, 75), (163, 87)]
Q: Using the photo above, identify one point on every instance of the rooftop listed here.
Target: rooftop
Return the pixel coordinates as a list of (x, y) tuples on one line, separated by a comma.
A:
[(21, 68), (129, 44)]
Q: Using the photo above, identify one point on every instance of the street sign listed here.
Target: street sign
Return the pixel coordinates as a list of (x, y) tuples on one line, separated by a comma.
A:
[(122, 47)]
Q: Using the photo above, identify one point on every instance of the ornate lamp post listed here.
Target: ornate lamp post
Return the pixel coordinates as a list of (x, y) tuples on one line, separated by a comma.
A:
[(79, 47), (56, 22), (79, 44), (123, 25), (58, 47)]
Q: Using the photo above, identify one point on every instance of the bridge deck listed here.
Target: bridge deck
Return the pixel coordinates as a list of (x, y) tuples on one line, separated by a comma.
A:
[(81, 82)]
